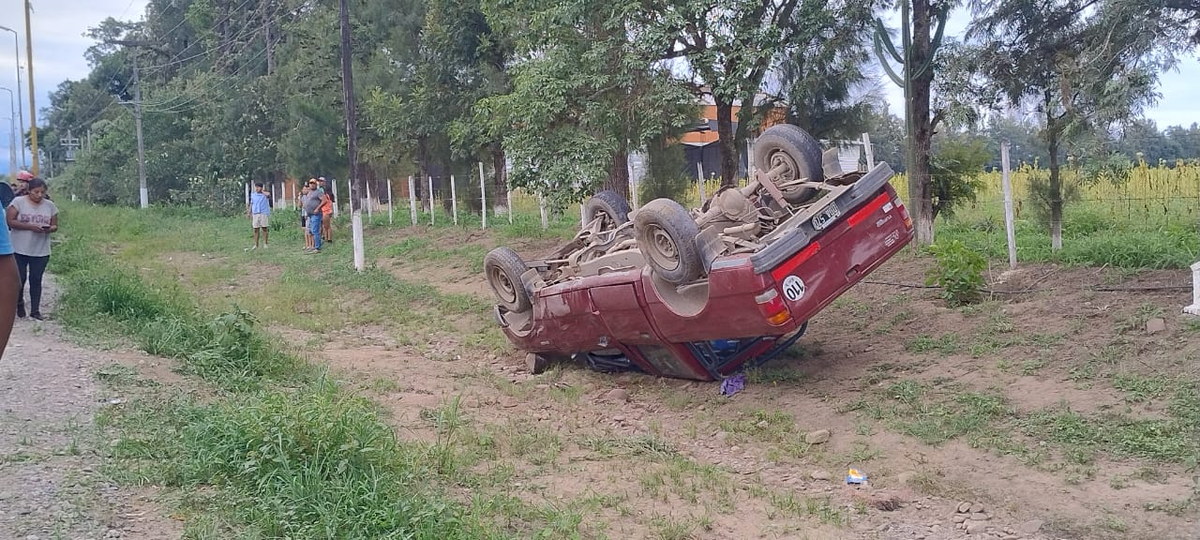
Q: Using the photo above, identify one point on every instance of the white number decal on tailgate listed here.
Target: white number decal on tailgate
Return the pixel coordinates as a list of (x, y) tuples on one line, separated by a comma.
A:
[(793, 288), (830, 213)]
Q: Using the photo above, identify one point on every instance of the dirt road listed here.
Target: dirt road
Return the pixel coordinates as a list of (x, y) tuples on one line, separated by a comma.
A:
[(52, 482)]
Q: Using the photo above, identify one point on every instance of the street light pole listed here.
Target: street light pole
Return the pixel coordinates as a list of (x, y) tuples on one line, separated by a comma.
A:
[(32, 105), (20, 106), (12, 144)]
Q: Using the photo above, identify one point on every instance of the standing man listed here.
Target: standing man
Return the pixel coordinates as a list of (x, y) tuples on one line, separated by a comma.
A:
[(312, 208), (259, 212)]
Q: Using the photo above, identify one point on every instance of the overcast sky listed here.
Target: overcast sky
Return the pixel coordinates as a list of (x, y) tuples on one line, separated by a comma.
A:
[(59, 43)]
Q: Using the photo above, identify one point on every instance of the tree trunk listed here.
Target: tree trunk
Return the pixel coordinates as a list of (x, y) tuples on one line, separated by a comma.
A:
[(1056, 190), (499, 178), (920, 186), (725, 142), (618, 172)]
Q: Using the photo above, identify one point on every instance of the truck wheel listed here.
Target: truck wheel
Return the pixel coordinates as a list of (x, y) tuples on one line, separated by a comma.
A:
[(666, 235), (503, 268), (799, 154), (609, 204)]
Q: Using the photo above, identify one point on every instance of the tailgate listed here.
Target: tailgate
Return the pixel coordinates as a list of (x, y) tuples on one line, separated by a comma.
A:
[(802, 234), (822, 264)]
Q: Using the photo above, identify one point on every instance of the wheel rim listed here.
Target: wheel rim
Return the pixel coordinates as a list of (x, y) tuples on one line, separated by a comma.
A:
[(502, 286), (780, 158), (663, 250)]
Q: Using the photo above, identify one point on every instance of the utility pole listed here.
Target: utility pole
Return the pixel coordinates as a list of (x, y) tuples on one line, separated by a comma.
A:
[(32, 105), (20, 106), (143, 191), (352, 140)]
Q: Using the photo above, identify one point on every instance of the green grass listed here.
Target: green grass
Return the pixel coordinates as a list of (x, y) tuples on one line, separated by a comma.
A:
[(274, 448), (1081, 435), (946, 345), (1116, 244)]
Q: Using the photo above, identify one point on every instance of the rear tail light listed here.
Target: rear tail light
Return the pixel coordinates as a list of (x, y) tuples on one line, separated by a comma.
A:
[(904, 213), (867, 210), (771, 305)]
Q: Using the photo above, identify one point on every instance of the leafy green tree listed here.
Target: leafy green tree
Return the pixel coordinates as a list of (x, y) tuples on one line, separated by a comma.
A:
[(822, 69), (584, 96), (956, 170), (1085, 66), (730, 46)]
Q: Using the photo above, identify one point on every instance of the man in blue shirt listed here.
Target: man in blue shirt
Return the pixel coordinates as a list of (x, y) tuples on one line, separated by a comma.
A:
[(10, 284), (259, 212)]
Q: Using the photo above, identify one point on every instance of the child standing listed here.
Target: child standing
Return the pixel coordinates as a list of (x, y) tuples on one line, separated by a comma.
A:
[(259, 212)]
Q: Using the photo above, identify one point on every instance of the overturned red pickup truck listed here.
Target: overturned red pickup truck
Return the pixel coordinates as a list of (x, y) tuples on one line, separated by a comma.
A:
[(703, 294)]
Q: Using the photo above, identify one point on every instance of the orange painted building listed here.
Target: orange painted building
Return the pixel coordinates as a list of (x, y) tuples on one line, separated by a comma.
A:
[(699, 140)]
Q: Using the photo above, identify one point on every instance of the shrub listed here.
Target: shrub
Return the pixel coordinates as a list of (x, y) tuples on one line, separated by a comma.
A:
[(959, 272)]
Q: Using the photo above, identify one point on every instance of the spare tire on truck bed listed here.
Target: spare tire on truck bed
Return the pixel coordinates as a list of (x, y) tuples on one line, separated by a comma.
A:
[(797, 152), (666, 235), (503, 268)]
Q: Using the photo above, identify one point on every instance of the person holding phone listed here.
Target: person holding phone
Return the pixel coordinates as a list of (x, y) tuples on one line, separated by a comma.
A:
[(32, 218)]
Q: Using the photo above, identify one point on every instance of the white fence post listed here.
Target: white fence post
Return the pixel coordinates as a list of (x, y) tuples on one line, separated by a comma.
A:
[(453, 200), (432, 220), (482, 197), (1194, 309), (412, 199), (633, 188), (542, 207), (336, 201), (391, 203), (1009, 225), (508, 193), (370, 213), (700, 181), (866, 141), (247, 194), (274, 199)]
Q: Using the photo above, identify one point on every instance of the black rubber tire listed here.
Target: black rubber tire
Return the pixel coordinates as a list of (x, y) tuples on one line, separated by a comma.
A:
[(503, 268), (666, 235), (609, 203), (789, 145)]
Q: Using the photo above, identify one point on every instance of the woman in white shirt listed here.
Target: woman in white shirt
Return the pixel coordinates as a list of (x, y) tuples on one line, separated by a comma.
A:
[(32, 218)]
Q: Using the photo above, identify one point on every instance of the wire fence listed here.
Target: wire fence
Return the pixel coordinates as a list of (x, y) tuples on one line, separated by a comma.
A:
[(1159, 196), (1162, 198)]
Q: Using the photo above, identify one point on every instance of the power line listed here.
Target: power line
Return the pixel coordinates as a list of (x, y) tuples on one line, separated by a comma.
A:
[(167, 107), (125, 86)]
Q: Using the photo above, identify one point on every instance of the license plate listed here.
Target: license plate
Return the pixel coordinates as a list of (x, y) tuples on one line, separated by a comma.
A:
[(827, 216)]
